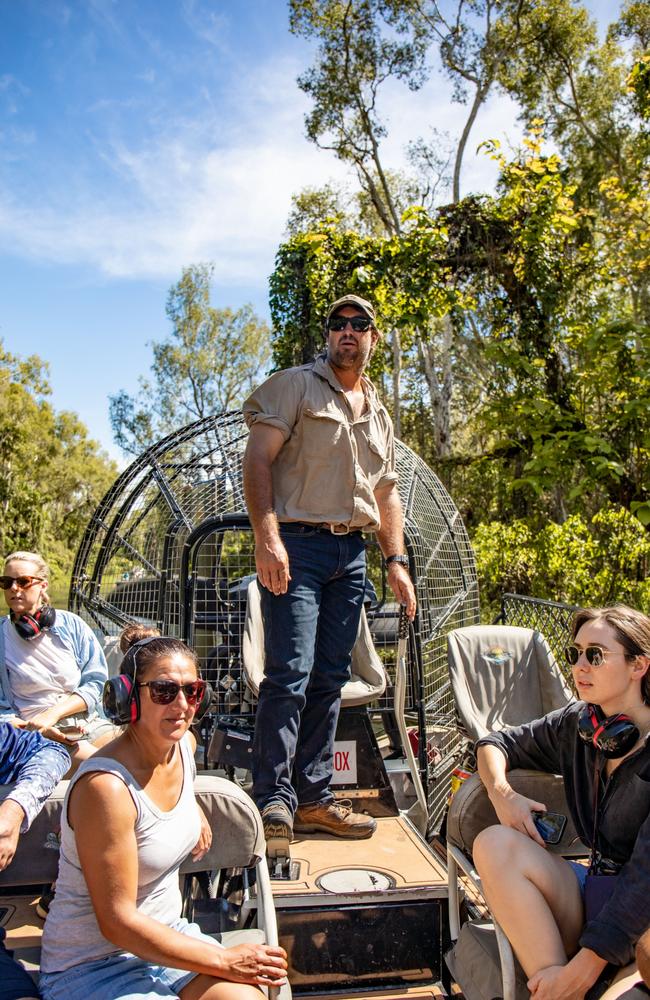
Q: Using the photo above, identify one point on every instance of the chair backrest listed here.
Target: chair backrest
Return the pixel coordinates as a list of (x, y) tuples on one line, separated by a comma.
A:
[(113, 654), (238, 840), (471, 811), (502, 675), (368, 676)]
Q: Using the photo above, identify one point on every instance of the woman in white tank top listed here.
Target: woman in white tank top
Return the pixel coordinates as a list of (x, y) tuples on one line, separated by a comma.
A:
[(114, 930)]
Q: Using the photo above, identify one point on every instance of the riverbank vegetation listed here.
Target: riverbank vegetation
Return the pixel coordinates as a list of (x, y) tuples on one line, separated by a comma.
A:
[(516, 351)]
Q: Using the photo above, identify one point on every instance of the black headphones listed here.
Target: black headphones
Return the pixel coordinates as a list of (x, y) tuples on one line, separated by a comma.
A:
[(31, 626), (612, 735), (121, 696)]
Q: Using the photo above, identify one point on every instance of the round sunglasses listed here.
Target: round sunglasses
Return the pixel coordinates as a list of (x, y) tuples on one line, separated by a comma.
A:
[(7, 582), (595, 655), (165, 692)]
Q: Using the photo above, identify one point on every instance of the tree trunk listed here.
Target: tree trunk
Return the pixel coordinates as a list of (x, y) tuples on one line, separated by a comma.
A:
[(397, 369), (440, 385)]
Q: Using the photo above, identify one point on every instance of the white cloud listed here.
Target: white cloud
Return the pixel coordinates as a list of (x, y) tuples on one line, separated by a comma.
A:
[(216, 188)]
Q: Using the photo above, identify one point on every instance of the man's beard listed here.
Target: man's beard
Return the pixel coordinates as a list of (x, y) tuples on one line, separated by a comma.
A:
[(349, 357)]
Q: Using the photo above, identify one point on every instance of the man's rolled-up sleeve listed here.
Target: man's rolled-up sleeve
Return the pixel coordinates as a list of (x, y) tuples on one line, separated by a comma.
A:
[(276, 402)]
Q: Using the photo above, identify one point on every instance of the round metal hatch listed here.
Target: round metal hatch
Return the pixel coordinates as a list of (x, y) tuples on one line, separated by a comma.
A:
[(355, 880)]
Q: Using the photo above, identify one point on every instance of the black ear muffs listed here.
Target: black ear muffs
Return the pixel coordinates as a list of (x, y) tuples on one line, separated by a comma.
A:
[(121, 700), (30, 626), (612, 735)]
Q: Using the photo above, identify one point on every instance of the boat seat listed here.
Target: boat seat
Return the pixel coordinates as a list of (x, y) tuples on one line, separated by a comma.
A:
[(113, 654), (481, 959), (502, 675), (368, 676), (238, 842)]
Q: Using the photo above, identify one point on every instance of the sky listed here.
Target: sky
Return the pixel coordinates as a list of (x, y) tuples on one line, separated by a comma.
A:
[(139, 137)]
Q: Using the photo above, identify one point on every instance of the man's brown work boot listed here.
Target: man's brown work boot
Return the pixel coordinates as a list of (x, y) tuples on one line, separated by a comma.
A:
[(277, 823), (335, 817)]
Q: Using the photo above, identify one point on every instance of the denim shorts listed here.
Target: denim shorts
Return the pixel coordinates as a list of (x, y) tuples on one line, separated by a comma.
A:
[(121, 976), (580, 872)]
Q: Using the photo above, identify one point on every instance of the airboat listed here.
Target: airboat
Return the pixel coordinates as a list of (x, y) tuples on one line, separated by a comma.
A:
[(170, 545)]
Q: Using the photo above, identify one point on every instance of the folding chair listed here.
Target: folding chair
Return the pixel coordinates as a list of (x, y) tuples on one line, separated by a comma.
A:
[(368, 677), (501, 676)]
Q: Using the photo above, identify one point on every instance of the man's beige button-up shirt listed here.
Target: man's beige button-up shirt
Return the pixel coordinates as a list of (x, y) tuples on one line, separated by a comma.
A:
[(330, 464)]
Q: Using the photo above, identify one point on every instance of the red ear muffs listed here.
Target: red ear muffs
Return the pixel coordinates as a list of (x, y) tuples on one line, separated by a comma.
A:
[(204, 704), (30, 626), (121, 700), (613, 735)]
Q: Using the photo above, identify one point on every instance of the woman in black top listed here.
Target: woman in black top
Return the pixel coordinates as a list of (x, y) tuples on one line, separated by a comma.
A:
[(536, 896)]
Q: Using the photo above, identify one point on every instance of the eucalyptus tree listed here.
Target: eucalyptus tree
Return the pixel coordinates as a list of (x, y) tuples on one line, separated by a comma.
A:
[(209, 363)]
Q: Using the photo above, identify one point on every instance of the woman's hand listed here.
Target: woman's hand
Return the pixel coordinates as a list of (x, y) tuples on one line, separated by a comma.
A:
[(516, 811), (257, 964), (46, 719), (554, 983), (204, 842), (570, 981)]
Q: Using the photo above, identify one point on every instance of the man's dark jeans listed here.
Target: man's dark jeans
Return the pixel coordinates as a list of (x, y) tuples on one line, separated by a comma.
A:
[(309, 633)]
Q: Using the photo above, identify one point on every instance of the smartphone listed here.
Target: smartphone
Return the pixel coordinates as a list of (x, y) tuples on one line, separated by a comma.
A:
[(71, 733), (550, 826)]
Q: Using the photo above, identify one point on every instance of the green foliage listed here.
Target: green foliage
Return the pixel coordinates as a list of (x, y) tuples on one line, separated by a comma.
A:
[(400, 274), (210, 363), (582, 561), (520, 361), (52, 475)]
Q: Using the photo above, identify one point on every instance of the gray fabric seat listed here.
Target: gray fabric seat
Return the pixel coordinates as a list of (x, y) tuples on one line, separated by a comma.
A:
[(502, 675), (368, 677), (481, 959)]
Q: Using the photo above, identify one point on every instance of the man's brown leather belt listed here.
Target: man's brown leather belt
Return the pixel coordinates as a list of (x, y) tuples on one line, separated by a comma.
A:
[(336, 529)]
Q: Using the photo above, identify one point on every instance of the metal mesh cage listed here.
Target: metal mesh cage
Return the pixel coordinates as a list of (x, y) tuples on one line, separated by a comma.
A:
[(550, 618), (170, 545)]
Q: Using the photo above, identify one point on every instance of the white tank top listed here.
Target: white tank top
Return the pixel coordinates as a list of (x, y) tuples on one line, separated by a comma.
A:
[(71, 934)]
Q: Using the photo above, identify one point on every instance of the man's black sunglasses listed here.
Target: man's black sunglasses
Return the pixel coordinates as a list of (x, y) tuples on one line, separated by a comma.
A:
[(358, 323)]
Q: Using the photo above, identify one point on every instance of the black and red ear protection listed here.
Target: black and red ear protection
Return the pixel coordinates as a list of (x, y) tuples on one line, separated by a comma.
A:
[(121, 697), (121, 700), (204, 704), (613, 735), (30, 626)]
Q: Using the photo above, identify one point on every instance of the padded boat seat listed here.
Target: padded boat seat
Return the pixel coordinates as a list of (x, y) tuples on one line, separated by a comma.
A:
[(471, 810), (113, 654), (503, 675), (481, 958), (238, 840), (368, 677)]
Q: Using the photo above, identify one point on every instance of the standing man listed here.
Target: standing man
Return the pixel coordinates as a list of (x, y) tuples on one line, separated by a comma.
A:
[(319, 470)]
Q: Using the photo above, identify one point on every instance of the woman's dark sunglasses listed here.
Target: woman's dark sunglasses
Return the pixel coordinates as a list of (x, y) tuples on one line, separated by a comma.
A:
[(358, 323), (595, 655), (6, 582), (165, 692)]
